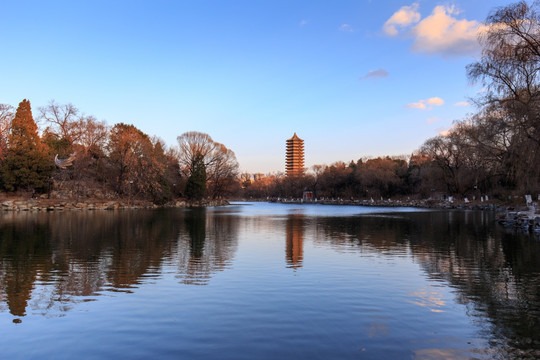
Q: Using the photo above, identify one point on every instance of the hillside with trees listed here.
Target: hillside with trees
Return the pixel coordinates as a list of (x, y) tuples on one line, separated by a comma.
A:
[(94, 160)]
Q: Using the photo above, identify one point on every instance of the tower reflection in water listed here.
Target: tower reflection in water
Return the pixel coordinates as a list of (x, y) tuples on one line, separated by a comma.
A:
[(295, 240)]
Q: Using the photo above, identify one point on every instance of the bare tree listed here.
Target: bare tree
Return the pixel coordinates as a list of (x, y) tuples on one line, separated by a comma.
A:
[(135, 168), (510, 65), (193, 145), (61, 120), (510, 71), (6, 115), (448, 153), (223, 172), (92, 133), (317, 172), (219, 162)]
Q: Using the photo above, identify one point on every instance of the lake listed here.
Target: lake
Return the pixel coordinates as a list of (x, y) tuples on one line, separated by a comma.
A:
[(267, 281)]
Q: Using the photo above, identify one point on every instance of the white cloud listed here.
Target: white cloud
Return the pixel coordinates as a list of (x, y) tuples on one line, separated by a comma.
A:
[(462, 103), (439, 33), (375, 74), (437, 101), (303, 22), (404, 17), (416, 105), (424, 104), (443, 131), (346, 28), (432, 120)]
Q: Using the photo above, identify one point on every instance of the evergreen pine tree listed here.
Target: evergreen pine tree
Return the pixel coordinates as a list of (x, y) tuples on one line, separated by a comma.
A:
[(196, 183), (27, 164)]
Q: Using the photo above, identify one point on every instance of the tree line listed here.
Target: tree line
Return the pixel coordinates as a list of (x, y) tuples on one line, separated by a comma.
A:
[(493, 151), (498, 148), (366, 178), (119, 161)]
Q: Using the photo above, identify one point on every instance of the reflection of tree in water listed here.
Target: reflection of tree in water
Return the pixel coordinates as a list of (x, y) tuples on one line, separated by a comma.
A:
[(206, 246), (25, 246), (295, 240), (496, 272), (195, 222), (48, 260), (140, 242)]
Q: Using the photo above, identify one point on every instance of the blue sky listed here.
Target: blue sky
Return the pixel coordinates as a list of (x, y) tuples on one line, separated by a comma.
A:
[(352, 78)]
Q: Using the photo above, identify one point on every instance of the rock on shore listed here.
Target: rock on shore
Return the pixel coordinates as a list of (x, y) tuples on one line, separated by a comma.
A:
[(527, 220)]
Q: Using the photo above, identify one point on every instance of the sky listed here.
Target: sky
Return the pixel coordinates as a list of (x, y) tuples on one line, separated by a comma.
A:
[(353, 78)]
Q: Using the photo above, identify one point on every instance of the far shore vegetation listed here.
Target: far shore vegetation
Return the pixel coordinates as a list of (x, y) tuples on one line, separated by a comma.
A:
[(494, 151)]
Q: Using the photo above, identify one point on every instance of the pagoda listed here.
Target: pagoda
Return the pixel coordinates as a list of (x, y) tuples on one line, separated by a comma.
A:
[(294, 161)]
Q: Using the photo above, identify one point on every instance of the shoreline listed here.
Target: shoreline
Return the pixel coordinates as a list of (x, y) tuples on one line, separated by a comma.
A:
[(526, 219), (523, 218), (424, 204), (20, 204)]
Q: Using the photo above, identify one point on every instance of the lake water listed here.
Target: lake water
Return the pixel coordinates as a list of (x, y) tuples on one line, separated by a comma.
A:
[(267, 281)]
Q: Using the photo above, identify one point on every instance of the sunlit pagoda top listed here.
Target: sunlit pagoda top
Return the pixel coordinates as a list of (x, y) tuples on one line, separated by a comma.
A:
[(295, 137)]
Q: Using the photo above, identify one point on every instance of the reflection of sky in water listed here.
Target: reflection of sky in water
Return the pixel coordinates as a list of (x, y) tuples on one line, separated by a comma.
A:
[(428, 297), (278, 209)]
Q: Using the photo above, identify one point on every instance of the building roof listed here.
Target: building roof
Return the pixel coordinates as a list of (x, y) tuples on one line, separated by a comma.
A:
[(295, 137)]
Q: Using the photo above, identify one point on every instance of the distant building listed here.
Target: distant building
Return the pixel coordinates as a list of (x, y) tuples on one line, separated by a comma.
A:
[(307, 196), (294, 161)]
